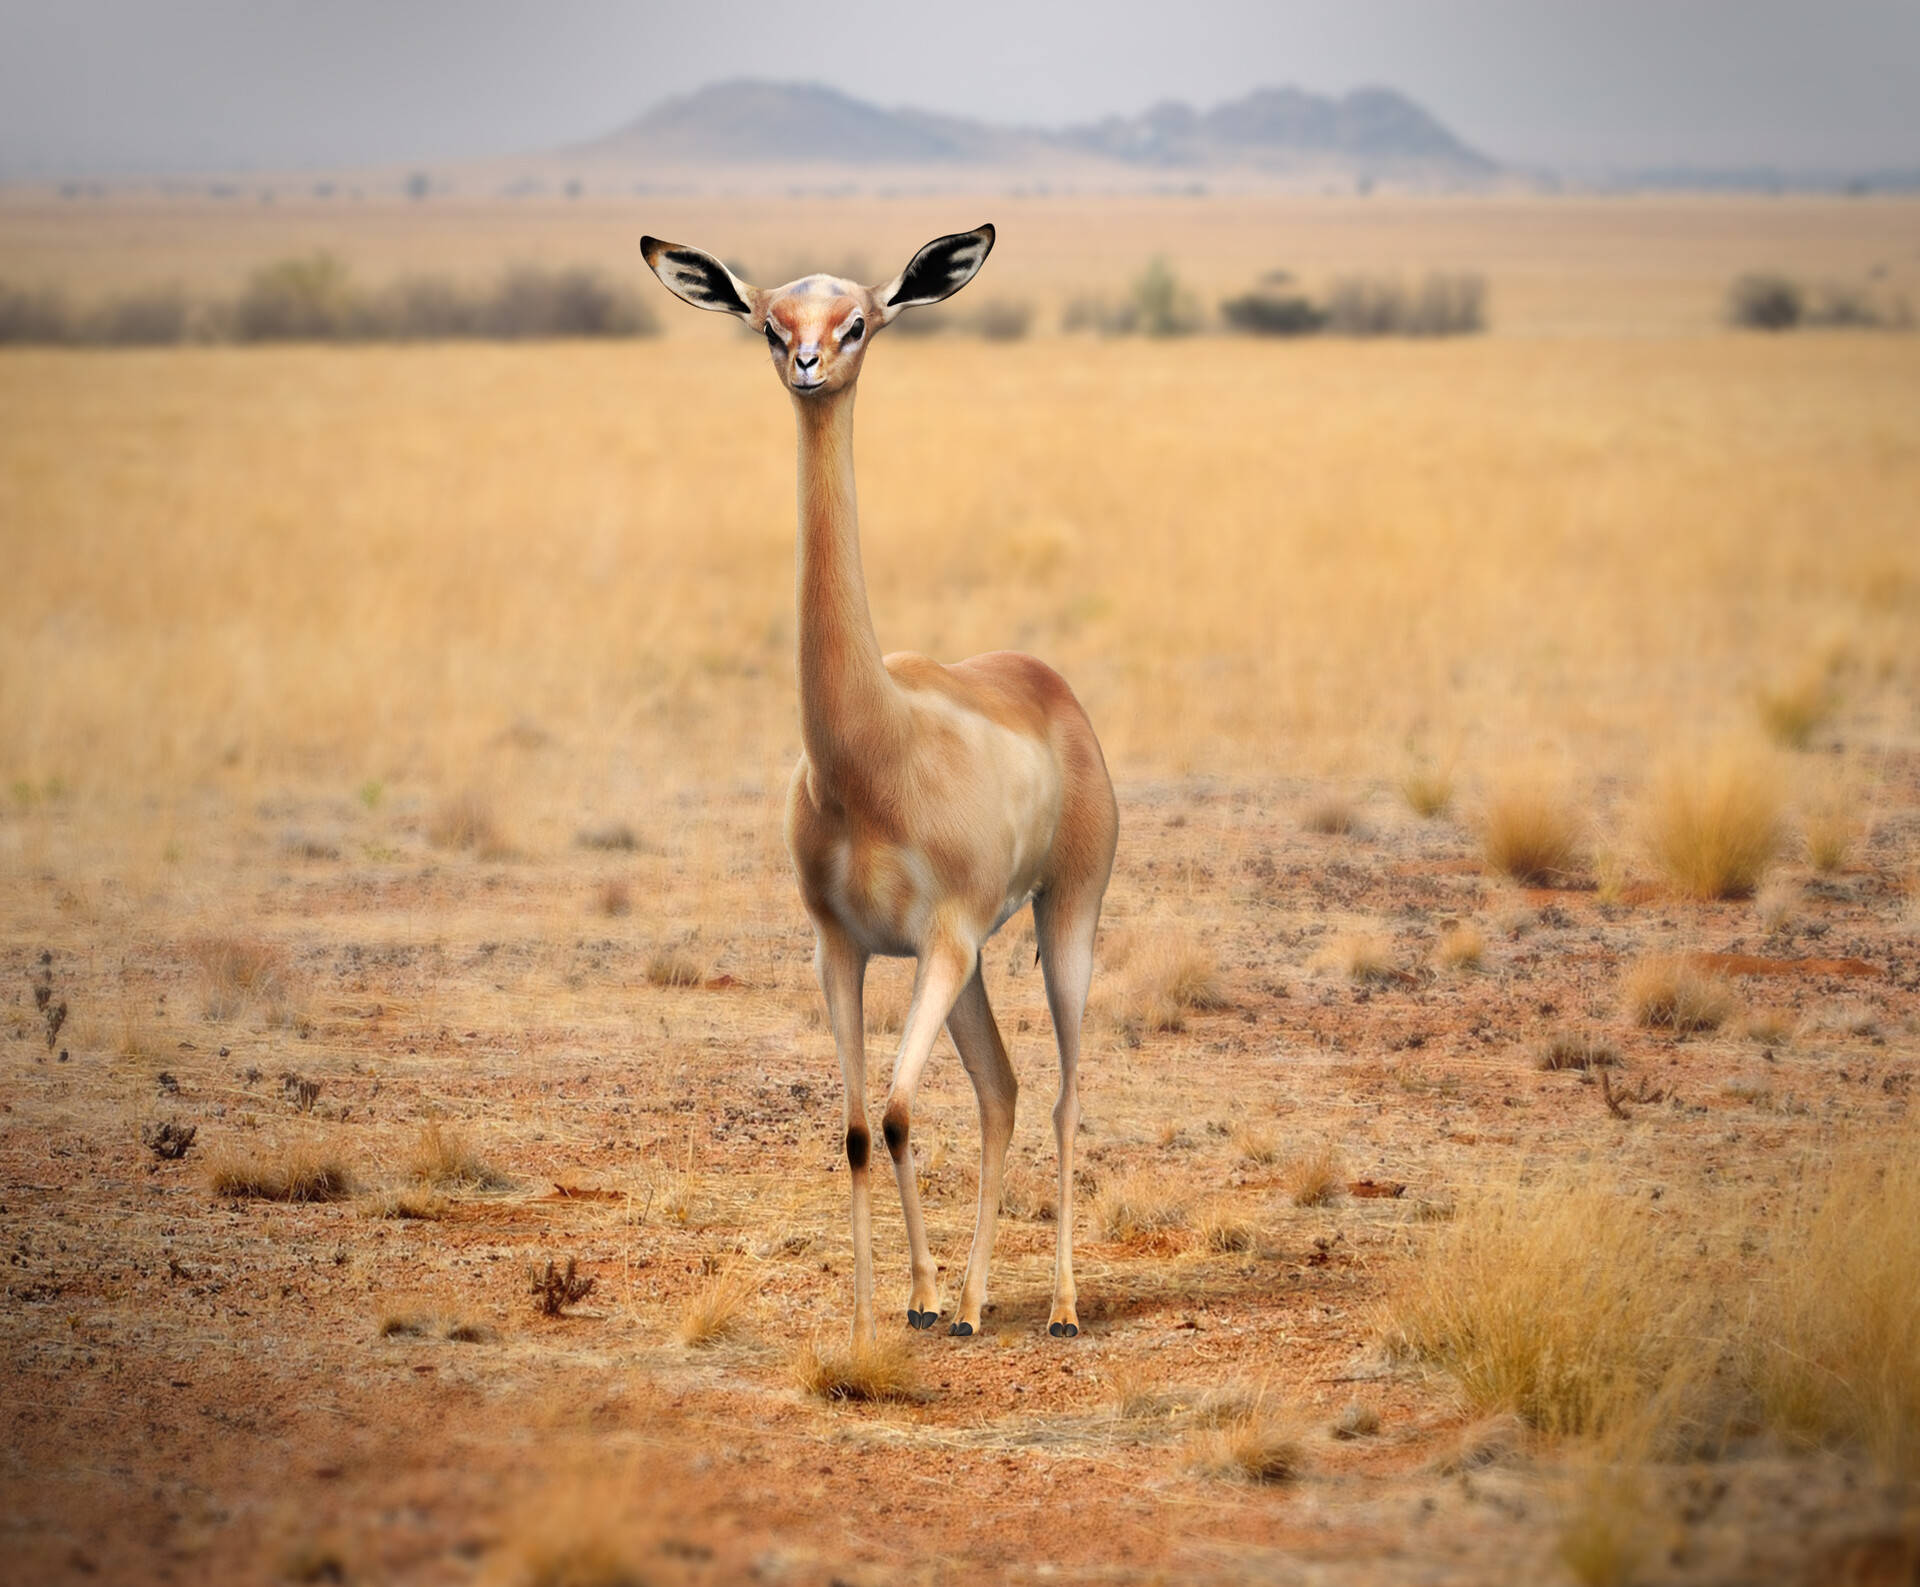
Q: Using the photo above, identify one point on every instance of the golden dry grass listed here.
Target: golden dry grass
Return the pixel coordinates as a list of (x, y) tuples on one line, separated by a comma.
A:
[(1831, 827), (1531, 832), (1259, 1440), (1565, 1303), (1792, 713), (443, 1158), (1461, 946), (1164, 976), (1578, 1049), (1835, 1349), (1314, 1177), (714, 1309), (1331, 816), (1222, 1227), (1714, 826), (1366, 957), (1666, 992), (1428, 790), (882, 1369), (299, 1171), (668, 967), (1140, 1206), (237, 974)]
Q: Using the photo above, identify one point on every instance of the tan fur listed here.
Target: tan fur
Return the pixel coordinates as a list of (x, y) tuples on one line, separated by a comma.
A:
[(930, 804)]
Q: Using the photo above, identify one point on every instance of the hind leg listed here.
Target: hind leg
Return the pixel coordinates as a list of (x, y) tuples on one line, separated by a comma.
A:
[(1065, 929), (974, 1032)]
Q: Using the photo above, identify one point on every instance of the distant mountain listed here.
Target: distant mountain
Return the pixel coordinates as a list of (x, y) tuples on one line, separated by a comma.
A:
[(1368, 124), (747, 122)]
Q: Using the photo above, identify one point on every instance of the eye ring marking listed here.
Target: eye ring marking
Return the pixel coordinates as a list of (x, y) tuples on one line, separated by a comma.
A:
[(774, 339), (852, 331)]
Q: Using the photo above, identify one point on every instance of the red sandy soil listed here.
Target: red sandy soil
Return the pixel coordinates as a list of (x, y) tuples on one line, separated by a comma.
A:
[(200, 1389)]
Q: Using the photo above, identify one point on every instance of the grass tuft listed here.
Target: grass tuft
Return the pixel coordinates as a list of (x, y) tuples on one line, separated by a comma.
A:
[(1140, 1206), (1714, 828), (297, 1172), (466, 820), (1835, 1358), (236, 974), (866, 1373), (1332, 816), (1363, 957), (1167, 976), (1428, 790), (1563, 1303), (1260, 1442), (674, 967), (1793, 714), (1223, 1229), (1578, 1049), (1669, 993), (1461, 946), (711, 1312), (442, 1158), (414, 1205), (1315, 1177), (1531, 833)]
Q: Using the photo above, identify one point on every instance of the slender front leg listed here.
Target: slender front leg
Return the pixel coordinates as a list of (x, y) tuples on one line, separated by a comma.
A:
[(973, 1030), (944, 969), (842, 966), (1065, 932)]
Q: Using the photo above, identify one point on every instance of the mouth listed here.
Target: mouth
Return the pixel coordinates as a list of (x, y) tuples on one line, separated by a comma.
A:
[(806, 390)]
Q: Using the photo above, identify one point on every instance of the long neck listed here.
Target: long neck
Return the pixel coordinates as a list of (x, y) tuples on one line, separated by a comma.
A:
[(848, 704)]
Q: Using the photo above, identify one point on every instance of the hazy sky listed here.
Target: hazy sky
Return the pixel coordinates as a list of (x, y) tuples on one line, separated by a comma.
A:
[(148, 85)]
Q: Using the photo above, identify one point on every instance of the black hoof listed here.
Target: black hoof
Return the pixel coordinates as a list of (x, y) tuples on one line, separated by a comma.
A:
[(921, 1319), (961, 1330), (1064, 1330)]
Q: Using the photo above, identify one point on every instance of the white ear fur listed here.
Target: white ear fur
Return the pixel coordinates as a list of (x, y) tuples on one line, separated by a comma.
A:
[(696, 277), (937, 271)]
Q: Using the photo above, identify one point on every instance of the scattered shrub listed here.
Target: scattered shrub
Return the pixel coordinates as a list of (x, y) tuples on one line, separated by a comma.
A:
[(555, 1289), (30, 317), (300, 299), (1668, 993), (1162, 306), (1270, 312), (1002, 320), (613, 898), (1221, 1228), (1441, 305), (168, 1141), (1714, 828), (535, 302), (1762, 302)]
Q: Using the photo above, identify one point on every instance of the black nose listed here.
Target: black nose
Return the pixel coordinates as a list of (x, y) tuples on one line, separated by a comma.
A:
[(806, 363)]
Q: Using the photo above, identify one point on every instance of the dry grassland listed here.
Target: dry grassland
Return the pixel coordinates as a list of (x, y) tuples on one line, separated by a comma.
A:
[(393, 743)]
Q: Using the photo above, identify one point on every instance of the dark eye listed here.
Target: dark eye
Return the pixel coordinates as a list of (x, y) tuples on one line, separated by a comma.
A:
[(853, 332), (773, 339)]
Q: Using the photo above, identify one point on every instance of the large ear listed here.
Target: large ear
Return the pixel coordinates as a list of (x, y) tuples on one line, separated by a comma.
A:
[(937, 271), (700, 279)]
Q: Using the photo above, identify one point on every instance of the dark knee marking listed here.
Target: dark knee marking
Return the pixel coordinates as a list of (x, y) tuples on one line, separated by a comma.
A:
[(859, 1147), (894, 1128)]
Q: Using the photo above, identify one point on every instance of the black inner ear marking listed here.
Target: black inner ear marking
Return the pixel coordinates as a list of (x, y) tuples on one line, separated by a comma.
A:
[(938, 269), (704, 281)]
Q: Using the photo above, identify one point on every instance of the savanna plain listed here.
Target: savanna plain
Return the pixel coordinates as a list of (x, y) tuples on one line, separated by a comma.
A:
[(420, 1141)]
